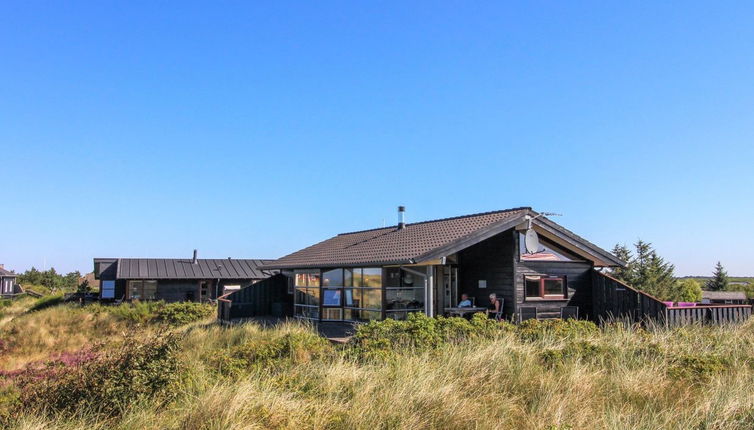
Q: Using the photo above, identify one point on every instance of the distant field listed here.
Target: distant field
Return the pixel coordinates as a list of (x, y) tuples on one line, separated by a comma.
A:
[(703, 279)]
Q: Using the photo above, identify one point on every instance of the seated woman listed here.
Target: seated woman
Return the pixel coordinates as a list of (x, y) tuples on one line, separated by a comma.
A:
[(493, 309), (465, 301)]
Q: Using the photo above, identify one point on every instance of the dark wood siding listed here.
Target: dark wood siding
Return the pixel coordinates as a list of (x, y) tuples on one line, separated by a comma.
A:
[(578, 280), (490, 260)]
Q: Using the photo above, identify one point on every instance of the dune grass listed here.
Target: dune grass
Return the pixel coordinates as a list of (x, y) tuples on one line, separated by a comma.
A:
[(529, 377)]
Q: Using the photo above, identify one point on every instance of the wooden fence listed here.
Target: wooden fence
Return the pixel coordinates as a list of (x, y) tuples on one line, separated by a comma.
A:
[(257, 299), (612, 298)]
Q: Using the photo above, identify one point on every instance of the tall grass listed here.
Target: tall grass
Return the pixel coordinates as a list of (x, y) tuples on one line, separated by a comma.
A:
[(530, 377)]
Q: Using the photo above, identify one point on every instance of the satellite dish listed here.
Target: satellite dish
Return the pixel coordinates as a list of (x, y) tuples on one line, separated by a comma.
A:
[(531, 241)]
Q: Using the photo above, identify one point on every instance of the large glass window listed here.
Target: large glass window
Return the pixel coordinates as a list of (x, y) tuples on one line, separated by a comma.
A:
[(142, 290), (546, 287), (307, 294), (404, 293), (362, 296)]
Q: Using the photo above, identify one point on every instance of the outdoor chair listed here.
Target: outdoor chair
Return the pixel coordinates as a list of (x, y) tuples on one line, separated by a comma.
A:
[(569, 312), (527, 313)]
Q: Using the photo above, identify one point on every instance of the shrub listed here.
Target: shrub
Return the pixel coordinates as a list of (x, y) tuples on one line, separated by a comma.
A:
[(183, 312), (136, 312), (697, 367), (291, 348), (579, 350), (103, 382), (46, 302), (380, 339)]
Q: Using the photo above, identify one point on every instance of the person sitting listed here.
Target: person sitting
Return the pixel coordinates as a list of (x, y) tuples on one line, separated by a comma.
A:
[(465, 302), (493, 309)]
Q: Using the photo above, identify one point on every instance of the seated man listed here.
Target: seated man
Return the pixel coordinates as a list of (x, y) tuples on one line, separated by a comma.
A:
[(465, 302)]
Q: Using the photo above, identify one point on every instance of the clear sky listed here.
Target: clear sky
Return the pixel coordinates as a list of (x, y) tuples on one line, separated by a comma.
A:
[(253, 129)]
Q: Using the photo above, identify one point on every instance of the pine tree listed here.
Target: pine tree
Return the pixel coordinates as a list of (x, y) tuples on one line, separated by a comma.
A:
[(645, 270), (719, 281), (624, 274)]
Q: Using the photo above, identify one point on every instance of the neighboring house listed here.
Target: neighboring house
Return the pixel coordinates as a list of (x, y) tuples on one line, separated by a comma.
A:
[(8, 285), (173, 279), (724, 298), (425, 267)]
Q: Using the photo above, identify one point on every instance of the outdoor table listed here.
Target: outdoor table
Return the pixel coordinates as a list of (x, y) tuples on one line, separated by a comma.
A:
[(463, 311)]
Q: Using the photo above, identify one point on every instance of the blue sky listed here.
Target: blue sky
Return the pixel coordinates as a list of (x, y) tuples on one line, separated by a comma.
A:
[(253, 129)]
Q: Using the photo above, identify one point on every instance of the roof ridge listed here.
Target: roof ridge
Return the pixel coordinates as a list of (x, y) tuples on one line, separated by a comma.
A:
[(441, 219)]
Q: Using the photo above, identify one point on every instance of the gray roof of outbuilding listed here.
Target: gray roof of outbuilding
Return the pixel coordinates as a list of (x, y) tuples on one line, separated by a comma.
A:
[(724, 295), (421, 241), (4, 272), (183, 268)]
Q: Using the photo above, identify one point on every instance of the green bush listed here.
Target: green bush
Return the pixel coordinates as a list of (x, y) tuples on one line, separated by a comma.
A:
[(380, 339), (105, 382), (183, 312), (135, 312), (289, 349), (579, 350), (697, 367), (178, 313), (46, 302)]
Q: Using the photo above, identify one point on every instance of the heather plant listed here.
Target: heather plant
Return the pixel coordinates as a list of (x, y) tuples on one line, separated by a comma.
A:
[(102, 381)]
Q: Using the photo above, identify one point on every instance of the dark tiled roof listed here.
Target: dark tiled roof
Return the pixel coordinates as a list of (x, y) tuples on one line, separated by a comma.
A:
[(182, 268), (4, 272), (391, 245), (724, 295)]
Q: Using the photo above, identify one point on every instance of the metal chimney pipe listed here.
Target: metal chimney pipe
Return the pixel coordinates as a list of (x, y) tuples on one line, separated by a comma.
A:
[(194, 260), (401, 217)]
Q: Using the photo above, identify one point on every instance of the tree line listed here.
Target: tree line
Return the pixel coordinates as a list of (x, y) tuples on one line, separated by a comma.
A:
[(649, 272), (50, 279)]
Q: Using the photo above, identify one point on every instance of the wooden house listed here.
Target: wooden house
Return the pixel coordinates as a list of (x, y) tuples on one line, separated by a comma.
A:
[(175, 279), (8, 285), (535, 267), (724, 298), (426, 266)]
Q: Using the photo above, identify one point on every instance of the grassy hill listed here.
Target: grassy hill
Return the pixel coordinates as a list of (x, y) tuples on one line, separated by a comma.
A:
[(161, 367)]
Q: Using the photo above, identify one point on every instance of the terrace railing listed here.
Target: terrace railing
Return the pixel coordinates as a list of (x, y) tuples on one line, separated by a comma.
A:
[(612, 298)]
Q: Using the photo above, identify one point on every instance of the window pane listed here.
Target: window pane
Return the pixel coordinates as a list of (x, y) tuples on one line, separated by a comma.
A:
[(312, 296), (347, 277), (331, 297), (352, 297), (532, 286), (553, 287), (332, 314), (357, 279), (370, 315), (300, 296), (150, 290), (410, 298), (298, 311), (351, 314), (313, 279), (332, 278), (410, 280), (301, 279), (372, 277), (392, 277), (308, 312), (372, 298), (134, 289)]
